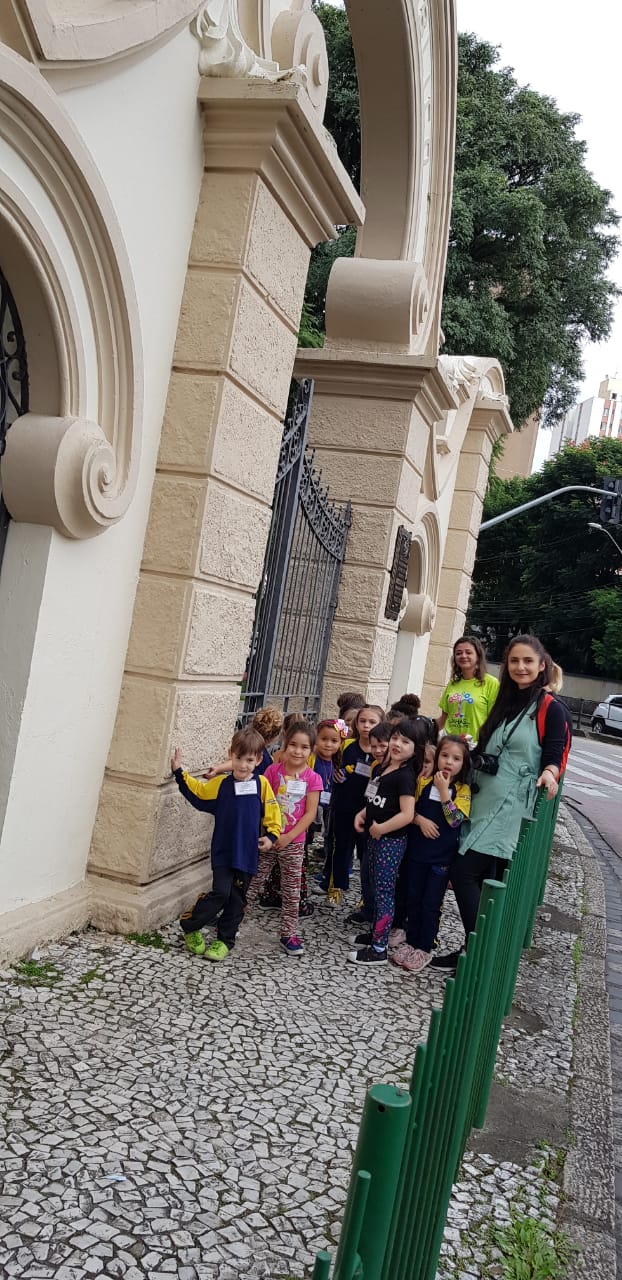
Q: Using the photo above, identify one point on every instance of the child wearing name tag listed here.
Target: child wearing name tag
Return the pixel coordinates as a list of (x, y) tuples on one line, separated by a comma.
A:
[(350, 783), (379, 745), (247, 822), (443, 802), (388, 812), (297, 789)]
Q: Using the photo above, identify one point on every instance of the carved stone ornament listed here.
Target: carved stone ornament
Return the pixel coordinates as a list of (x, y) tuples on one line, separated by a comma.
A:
[(462, 373), (297, 39), (420, 614)]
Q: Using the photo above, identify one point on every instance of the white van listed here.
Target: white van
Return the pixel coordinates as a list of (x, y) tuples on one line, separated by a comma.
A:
[(607, 717)]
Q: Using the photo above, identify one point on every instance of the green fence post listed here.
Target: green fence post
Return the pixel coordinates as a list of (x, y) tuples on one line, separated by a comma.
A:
[(321, 1270), (379, 1151), (348, 1265)]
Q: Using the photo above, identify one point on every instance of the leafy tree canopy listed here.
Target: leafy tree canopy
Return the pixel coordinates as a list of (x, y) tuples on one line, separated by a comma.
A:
[(532, 234), (546, 571)]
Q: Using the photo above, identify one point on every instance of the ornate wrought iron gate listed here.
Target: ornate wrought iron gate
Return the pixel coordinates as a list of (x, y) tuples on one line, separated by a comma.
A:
[(297, 595), (13, 380)]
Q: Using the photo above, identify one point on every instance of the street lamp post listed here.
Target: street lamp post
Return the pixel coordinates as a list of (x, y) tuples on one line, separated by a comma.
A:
[(602, 529)]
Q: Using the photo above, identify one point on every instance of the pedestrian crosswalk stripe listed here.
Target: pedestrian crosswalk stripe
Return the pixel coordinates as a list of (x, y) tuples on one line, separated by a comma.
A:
[(595, 773)]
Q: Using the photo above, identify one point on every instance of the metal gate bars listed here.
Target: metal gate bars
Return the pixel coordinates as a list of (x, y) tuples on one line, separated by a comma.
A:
[(297, 594), (13, 379)]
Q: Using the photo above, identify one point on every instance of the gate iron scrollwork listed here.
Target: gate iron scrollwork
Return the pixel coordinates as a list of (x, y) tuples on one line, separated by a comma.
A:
[(13, 379), (297, 596)]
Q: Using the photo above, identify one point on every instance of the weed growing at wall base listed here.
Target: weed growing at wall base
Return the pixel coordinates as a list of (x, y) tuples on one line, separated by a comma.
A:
[(528, 1250), (149, 940), (35, 973)]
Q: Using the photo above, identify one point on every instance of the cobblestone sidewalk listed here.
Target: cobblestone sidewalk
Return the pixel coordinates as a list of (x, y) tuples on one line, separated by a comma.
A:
[(162, 1116)]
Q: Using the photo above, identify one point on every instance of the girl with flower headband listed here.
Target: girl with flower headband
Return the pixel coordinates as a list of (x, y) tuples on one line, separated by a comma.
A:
[(329, 738)]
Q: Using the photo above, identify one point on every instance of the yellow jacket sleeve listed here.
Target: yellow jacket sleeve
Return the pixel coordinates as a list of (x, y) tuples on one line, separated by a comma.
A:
[(463, 799), (272, 821)]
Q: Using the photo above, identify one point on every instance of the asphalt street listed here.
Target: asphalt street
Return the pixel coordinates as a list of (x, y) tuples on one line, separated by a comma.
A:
[(593, 786)]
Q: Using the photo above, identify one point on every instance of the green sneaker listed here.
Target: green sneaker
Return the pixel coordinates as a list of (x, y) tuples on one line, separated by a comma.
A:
[(217, 950), (195, 943)]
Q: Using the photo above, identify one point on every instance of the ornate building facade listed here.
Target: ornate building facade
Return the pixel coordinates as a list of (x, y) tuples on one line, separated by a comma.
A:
[(164, 176)]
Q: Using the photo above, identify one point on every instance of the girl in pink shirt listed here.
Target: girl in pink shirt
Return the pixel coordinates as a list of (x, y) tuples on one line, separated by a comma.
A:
[(297, 789)]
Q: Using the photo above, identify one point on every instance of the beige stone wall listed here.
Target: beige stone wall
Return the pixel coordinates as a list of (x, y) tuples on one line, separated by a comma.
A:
[(459, 551), (210, 509), (371, 425), (518, 451)]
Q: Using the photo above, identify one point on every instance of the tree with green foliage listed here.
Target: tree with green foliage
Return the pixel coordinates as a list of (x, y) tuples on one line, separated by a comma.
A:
[(532, 234), (546, 571)]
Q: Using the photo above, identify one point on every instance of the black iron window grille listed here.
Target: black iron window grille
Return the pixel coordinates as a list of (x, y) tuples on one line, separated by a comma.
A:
[(13, 379)]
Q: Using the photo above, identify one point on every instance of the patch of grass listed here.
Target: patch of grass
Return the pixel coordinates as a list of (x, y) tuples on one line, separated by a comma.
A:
[(91, 975), (37, 973), (149, 940), (577, 954), (528, 1250)]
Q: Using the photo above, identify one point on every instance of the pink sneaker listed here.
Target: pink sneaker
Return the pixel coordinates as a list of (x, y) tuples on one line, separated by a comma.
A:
[(416, 960), (396, 938), (400, 952)]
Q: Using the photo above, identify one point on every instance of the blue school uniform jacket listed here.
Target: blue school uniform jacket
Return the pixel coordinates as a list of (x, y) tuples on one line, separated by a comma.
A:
[(240, 817), (427, 805)]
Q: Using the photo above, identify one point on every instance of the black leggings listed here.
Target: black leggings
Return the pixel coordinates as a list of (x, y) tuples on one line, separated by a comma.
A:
[(467, 874)]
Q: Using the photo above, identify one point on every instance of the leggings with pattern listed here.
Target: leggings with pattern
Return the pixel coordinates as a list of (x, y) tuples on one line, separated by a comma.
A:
[(384, 858), (290, 863)]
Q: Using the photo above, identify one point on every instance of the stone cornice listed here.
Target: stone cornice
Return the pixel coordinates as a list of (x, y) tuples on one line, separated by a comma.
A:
[(272, 129), (379, 375), (76, 31)]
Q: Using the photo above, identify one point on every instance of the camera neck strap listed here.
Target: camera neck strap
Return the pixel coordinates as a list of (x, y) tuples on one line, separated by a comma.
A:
[(515, 726)]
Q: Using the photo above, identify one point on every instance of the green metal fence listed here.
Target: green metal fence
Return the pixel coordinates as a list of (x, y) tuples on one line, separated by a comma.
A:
[(411, 1142)]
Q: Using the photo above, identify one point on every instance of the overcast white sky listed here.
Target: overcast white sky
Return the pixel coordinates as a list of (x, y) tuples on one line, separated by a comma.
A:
[(571, 54)]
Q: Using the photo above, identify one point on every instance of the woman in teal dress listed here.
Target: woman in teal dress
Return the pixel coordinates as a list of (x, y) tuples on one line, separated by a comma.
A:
[(529, 751)]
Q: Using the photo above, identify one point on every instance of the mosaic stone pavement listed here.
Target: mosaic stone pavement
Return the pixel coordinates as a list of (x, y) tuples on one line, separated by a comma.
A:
[(163, 1116)]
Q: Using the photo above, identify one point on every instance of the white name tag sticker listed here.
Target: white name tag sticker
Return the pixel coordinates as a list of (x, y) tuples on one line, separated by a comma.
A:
[(324, 797), (363, 770), (434, 793), (371, 790), (248, 788), (296, 787)]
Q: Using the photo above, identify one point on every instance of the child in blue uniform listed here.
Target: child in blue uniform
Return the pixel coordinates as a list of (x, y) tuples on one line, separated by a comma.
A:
[(348, 798), (443, 802), (247, 821)]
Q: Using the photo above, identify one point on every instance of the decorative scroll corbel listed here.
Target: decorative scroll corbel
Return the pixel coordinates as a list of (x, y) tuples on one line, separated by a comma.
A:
[(224, 51)]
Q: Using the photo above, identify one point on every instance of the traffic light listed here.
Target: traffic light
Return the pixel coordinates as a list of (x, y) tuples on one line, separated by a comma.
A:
[(611, 505)]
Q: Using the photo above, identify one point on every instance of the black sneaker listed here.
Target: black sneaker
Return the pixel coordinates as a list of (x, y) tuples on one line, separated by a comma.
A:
[(271, 902), (364, 939), (368, 955), (447, 963), (306, 909), (357, 917)]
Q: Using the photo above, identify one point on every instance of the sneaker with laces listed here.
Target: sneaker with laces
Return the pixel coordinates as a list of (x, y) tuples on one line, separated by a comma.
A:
[(306, 909), (446, 964), (413, 960), (292, 946), (217, 950), (357, 917), (363, 939), (368, 955), (396, 938), (195, 943)]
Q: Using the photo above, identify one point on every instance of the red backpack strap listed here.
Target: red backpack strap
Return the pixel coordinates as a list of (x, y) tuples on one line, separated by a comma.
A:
[(544, 703)]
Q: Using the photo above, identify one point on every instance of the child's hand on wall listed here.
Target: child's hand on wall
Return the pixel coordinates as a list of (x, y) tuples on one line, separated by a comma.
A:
[(176, 760)]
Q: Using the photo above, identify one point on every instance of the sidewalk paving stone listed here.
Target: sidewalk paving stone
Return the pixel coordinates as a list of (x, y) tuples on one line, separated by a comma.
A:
[(161, 1116)]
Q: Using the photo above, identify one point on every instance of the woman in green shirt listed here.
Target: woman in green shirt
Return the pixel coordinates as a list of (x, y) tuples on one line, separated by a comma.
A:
[(471, 693)]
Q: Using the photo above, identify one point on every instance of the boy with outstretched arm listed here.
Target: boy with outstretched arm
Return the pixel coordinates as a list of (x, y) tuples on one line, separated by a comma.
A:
[(247, 821)]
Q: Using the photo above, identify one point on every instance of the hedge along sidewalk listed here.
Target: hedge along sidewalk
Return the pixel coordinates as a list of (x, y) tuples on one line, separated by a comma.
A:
[(546, 1151)]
